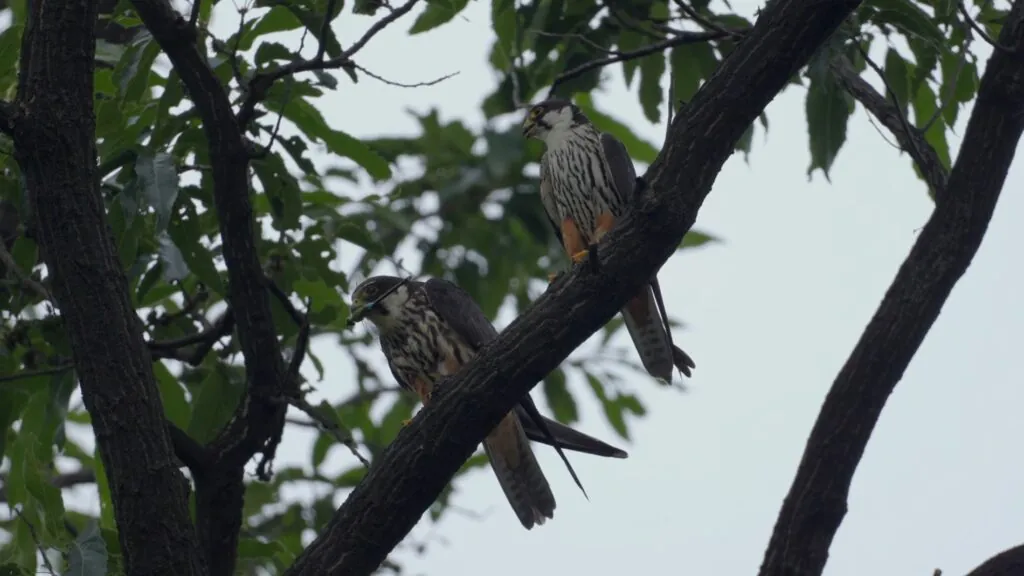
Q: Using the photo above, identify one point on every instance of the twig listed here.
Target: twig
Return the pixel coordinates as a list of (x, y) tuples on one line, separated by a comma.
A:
[(205, 340), (951, 92), (913, 141), (26, 279), (263, 470), (680, 40), (190, 305), (67, 480), (981, 31), (400, 84), (262, 82), (194, 16), (342, 436), (35, 538), (577, 36), (324, 29), (891, 116), (704, 22), (41, 372)]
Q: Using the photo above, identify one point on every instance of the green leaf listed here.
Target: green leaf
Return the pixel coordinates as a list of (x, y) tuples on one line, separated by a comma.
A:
[(128, 244), (436, 13), (159, 179), (651, 70), (320, 294), (214, 405), (561, 402), (637, 147), (172, 396), (25, 253), (691, 64), (184, 238), (277, 19), (909, 19), (925, 105), (252, 548), (359, 236), (696, 238), (282, 191), (270, 51), (503, 21), (897, 75), (828, 112), (88, 553), (103, 491), (309, 120), (174, 267), (628, 41)]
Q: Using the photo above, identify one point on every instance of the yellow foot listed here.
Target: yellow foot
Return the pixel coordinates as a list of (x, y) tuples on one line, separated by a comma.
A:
[(552, 277), (579, 256), (406, 422)]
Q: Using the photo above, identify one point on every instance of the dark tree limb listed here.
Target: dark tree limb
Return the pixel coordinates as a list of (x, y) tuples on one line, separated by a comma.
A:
[(910, 139), (414, 469), (56, 150), (1007, 563), (258, 419), (816, 503)]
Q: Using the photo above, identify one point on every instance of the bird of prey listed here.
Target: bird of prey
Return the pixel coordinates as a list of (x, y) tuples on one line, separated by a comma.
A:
[(428, 330), (587, 182)]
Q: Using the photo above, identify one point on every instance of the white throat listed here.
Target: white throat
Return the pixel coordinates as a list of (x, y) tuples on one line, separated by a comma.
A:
[(558, 136)]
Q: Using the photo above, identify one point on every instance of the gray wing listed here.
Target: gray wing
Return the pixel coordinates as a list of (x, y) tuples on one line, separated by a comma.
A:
[(624, 175), (463, 315), (621, 166)]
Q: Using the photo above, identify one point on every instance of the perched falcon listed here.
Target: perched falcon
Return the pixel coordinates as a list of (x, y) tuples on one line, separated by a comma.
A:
[(587, 182), (428, 330)]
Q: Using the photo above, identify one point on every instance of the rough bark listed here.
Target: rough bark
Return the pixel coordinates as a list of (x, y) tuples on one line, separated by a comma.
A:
[(816, 503), (427, 453), (53, 128)]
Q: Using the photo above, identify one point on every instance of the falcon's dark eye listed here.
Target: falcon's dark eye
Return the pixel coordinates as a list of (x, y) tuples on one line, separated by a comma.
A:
[(535, 113)]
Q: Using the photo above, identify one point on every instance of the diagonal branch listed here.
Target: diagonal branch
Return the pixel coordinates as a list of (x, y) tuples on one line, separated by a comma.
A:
[(910, 138), (262, 81), (413, 470), (816, 503)]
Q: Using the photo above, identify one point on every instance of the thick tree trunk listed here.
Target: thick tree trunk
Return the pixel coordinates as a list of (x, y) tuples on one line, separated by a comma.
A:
[(53, 127)]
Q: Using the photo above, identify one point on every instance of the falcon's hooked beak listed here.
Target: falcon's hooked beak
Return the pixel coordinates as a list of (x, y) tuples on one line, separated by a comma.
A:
[(360, 308), (528, 126)]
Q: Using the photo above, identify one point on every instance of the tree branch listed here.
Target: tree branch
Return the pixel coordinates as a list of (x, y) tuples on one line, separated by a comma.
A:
[(417, 465), (816, 503), (910, 138), (262, 81), (56, 152), (1009, 562), (67, 480), (257, 418)]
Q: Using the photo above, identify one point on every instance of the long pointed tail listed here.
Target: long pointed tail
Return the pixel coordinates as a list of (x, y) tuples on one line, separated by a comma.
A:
[(647, 324), (567, 438), (519, 473)]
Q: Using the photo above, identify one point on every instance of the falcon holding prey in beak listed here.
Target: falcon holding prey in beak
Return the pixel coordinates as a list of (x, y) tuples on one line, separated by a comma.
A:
[(587, 182), (428, 330)]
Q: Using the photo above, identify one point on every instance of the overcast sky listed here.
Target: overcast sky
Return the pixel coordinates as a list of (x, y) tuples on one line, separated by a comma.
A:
[(771, 314)]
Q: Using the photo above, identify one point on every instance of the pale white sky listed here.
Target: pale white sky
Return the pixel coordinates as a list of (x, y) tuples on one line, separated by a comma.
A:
[(772, 314)]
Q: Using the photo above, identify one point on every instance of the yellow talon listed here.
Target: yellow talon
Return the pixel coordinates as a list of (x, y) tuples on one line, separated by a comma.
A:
[(579, 256), (406, 422), (552, 276)]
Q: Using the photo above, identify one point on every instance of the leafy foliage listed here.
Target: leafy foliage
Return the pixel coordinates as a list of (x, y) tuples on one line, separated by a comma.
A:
[(473, 203)]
